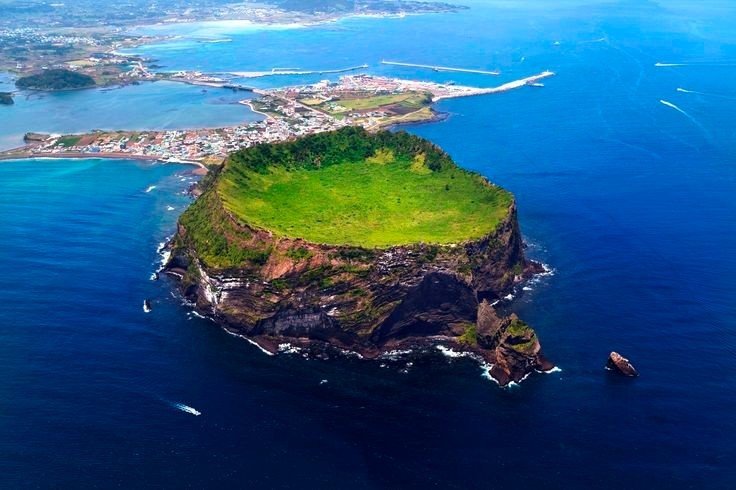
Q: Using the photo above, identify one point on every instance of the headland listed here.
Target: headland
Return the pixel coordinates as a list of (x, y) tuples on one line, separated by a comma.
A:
[(370, 243)]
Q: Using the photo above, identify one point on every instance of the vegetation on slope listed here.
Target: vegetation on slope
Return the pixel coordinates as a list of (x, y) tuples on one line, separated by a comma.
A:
[(347, 187), (353, 188), (57, 79), (219, 243)]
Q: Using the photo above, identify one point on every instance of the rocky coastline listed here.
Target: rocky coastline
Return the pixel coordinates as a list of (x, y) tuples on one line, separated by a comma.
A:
[(371, 302), (277, 290)]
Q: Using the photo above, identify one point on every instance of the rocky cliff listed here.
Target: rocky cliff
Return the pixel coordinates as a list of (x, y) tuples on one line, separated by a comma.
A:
[(368, 301)]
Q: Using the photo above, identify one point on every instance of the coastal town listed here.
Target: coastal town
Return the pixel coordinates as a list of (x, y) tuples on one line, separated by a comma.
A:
[(372, 102), (83, 37)]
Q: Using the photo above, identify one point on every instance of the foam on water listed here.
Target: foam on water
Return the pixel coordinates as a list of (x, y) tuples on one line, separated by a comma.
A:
[(287, 348), (187, 409), (706, 94), (250, 341), (555, 369), (691, 118)]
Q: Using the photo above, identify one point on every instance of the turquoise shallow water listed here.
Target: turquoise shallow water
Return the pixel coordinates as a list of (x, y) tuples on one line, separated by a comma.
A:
[(628, 199), (159, 105)]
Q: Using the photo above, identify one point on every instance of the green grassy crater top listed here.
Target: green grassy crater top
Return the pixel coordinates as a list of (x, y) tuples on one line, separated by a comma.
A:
[(354, 188)]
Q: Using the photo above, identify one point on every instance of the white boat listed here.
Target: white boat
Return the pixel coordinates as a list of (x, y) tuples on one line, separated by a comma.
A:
[(188, 409)]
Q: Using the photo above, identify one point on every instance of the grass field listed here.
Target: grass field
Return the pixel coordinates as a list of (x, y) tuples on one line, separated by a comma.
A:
[(410, 100), (68, 141), (380, 202)]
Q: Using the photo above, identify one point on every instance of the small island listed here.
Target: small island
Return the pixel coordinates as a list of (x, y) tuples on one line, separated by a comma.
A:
[(6, 98), (56, 79), (363, 242)]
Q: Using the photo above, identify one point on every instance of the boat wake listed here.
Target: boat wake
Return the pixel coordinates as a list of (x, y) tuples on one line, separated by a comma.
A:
[(187, 409), (692, 119), (705, 94), (705, 64), (670, 104)]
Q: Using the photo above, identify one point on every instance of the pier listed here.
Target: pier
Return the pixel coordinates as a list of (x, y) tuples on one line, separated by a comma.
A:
[(472, 91), (441, 68), (287, 71)]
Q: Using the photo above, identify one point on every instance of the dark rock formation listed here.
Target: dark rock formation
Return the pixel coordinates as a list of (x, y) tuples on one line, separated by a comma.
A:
[(618, 363), (35, 137), (372, 301), (275, 289)]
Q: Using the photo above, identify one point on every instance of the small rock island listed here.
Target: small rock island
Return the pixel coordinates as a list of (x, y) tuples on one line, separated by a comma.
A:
[(362, 242), (55, 79)]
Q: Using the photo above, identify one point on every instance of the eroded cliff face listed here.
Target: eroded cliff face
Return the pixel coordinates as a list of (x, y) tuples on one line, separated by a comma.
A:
[(369, 301)]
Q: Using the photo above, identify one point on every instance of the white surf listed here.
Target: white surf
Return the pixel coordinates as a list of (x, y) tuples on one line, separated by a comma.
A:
[(187, 409)]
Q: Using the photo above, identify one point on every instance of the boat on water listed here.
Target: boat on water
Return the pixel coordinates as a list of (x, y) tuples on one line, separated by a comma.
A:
[(147, 305), (188, 409)]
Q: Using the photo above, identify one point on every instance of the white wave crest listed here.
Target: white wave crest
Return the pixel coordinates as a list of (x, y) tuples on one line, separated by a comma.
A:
[(287, 348), (550, 371), (487, 373), (268, 353), (150, 188), (453, 354), (515, 384), (393, 354)]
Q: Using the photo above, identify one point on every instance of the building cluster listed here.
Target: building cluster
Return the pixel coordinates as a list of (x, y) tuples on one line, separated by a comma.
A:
[(288, 113), (354, 86), (283, 121), (35, 36)]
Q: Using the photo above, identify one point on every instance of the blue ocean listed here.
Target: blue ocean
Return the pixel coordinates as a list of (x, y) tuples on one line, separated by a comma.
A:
[(624, 170)]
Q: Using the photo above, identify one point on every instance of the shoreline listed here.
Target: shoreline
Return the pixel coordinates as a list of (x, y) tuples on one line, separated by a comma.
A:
[(409, 348), (296, 23), (100, 156)]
